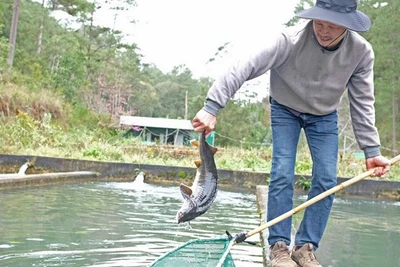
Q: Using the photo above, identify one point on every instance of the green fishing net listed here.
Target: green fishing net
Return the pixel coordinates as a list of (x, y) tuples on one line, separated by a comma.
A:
[(198, 253)]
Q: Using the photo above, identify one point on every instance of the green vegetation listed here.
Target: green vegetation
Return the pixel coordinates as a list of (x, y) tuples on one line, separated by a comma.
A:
[(304, 183), (67, 88), (25, 135)]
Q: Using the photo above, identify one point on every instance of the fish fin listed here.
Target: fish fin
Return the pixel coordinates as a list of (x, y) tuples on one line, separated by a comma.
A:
[(197, 163), (194, 142), (186, 191), (213, 149)]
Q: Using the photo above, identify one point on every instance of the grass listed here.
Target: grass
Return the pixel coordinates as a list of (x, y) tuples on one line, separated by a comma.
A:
[(24, 135)]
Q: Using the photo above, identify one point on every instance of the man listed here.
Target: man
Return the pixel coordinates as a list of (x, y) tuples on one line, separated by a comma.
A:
[(311, 68)]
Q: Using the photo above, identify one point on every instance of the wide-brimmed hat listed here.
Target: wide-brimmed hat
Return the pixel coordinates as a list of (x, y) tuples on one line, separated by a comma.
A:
[(340, 12)]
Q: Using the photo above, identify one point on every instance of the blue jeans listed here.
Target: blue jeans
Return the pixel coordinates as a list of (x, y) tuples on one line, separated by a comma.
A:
[(322, 138)]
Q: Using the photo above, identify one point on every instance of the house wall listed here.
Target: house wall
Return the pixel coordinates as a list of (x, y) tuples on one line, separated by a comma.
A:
[(179, 140), (184, 136), (150, 135)]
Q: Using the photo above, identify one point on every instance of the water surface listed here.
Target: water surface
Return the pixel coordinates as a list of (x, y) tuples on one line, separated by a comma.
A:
[(112, 224), (118, 224), (362, 233)]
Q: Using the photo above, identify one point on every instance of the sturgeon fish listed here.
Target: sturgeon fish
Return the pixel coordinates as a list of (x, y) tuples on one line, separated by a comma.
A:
[(198, 198)]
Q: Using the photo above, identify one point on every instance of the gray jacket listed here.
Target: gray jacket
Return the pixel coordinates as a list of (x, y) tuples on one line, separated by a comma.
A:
[(310, 79)]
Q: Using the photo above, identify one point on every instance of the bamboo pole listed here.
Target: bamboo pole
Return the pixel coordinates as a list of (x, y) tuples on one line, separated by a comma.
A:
[(316, 199)]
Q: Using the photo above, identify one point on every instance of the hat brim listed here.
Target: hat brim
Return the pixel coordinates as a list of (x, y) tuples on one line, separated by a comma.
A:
[(355, 21)]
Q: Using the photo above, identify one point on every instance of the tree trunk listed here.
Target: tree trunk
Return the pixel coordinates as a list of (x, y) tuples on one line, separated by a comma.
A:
[(13, 33), (39, 48), (394, 109)]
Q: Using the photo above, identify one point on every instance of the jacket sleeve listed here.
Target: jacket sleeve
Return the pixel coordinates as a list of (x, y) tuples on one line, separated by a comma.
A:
[(362, 110), (273, 53)]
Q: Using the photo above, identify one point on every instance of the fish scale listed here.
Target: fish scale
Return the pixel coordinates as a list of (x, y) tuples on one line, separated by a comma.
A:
[(198, 198)]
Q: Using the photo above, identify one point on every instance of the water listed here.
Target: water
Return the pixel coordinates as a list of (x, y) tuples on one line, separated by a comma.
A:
[(362, 233), (112, 224), (116, 224)]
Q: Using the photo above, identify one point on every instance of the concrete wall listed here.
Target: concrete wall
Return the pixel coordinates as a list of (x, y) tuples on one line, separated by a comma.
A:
[(176, 175)]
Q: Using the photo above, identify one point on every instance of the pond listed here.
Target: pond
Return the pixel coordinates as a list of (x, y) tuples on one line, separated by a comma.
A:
[(116, 224), (112, 224), (362, 233)]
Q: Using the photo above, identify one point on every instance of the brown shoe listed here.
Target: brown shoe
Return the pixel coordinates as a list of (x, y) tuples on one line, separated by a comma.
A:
[(305, 257), (280, 255)]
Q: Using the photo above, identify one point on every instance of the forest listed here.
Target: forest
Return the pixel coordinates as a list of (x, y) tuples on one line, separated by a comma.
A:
[(56, 79)]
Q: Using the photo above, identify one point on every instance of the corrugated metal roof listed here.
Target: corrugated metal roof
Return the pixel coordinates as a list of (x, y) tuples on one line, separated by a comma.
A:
[(156, 122)]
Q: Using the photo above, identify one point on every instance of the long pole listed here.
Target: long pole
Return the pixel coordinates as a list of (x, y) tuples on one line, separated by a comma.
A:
[(394, 108), (317, 198), (186, 105)]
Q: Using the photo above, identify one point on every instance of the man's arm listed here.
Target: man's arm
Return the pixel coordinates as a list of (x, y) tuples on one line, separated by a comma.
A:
[(362, 110)]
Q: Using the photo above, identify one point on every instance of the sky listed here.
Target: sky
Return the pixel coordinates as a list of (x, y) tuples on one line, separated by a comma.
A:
[(188, 32), (171, 33)]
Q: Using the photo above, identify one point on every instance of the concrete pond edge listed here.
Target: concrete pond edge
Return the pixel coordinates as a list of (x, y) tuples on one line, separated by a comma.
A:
[(75, 170)]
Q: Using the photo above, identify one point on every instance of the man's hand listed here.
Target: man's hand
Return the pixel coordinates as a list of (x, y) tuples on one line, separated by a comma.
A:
[(204, 121), (381, 164)]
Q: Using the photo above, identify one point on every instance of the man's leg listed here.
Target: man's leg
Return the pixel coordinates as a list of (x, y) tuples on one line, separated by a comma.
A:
[(285, 136), (322, 137)]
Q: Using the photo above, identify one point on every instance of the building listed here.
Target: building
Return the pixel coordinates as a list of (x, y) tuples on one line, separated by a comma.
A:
[(166, 131)]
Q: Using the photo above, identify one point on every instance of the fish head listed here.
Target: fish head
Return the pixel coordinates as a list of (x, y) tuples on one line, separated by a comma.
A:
[(188, 211)]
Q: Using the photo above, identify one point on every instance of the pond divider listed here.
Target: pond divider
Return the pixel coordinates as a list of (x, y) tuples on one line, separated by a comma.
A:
[(174, 175), (17, 180), (261, 199)]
